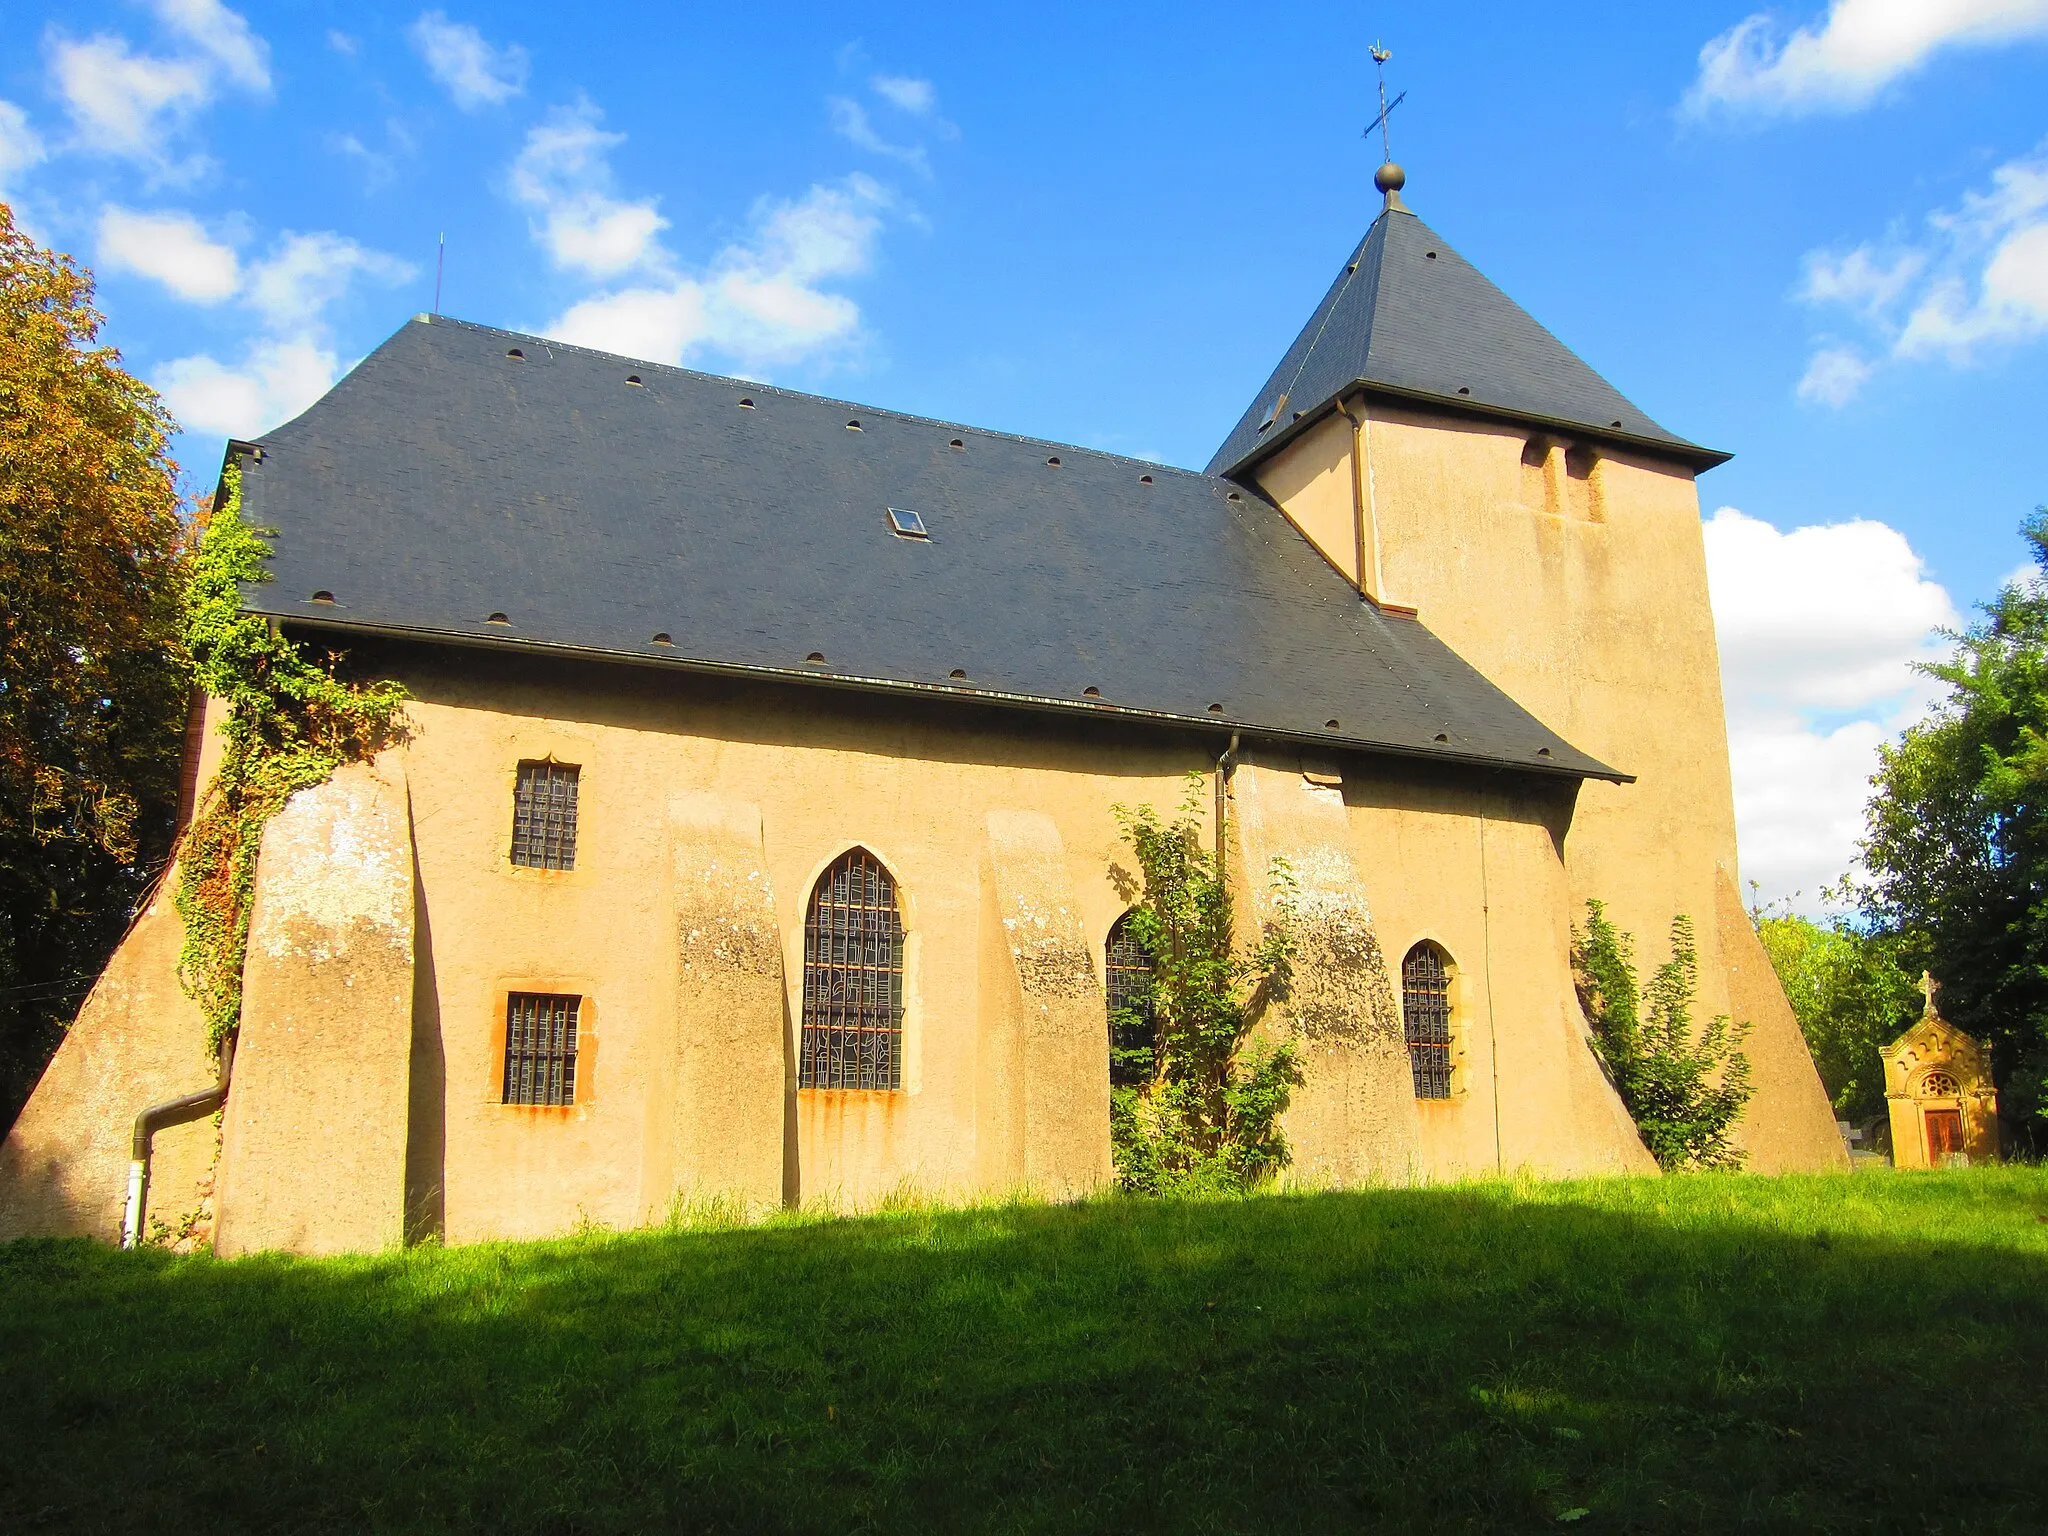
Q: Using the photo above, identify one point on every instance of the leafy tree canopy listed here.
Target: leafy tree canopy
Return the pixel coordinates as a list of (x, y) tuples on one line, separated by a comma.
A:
[(92, 682), (1852, 992), (1956, 844)]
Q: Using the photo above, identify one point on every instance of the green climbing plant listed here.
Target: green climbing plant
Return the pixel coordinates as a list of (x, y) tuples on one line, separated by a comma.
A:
[(1684, 1085), (290, 723), (1200, 1109)]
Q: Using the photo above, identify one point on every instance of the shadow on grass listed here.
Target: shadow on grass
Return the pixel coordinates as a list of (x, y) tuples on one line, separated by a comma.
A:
[(1678, 1355)]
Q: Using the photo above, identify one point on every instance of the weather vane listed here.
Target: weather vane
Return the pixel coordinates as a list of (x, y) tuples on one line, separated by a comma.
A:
[(1380, 54)]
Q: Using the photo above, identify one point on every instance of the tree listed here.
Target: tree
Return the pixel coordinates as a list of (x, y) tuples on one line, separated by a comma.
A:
[(1206, 1114), (1682, 1086), (1955, 851), (93, 688), (1850, 992)]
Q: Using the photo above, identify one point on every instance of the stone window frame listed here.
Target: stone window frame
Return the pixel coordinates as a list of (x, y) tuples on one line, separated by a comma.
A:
[(907, 1031), (1455, 1023), (589, 1035), (574, 839)]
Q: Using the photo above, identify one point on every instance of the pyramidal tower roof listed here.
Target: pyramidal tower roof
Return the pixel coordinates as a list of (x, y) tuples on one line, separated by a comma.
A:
[(1409, 317)]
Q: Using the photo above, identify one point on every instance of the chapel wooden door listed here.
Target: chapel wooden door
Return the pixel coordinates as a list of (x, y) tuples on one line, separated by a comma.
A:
[(1944, 1135)]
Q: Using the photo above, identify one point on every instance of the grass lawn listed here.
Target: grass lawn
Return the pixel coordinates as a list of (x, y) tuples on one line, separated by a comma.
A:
[(1685, 1354)]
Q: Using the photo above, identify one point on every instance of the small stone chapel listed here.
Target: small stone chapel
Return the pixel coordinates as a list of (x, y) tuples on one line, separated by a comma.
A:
[(755, 838)]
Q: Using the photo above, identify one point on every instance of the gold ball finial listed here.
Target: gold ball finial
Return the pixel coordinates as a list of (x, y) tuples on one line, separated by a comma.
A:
[(1390, 178)]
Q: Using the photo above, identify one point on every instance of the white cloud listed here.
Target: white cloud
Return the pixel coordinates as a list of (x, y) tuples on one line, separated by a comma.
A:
[(917, 97), (1842, 62), (222, 35), (290, 363), (292, 289), (274, 381), (563, 176), (134, 104), (761, 300), (1835, 376), (851, 122), (172, 249), (20, 145), (1861, 279), (475, 73), (1977, 278), (1819, 632), (125, 103)]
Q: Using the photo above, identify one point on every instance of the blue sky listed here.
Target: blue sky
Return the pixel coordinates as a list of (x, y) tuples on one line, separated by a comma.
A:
[(1817, 237)]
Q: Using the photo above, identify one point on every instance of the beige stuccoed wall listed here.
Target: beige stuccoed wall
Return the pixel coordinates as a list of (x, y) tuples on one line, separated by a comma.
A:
[(138, 1041), (915, 785), (313, 1139), (1000, 830), (1596, 619)]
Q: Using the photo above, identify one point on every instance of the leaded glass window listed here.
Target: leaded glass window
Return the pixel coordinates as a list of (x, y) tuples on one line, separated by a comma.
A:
[(1133, 1023), (853, 979), (540, 1048), (544, 816), (1426, 1020)]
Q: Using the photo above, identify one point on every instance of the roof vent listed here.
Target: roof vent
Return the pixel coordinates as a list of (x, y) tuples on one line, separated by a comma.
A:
[(958, 675), (1330, 725), (1215, 709), (662, 639), (746, 404), (1091, 692), (1464, 389), (853, 426), (1543, 751), (1233, 496), (1144, 479), (632, 378), (1429, 255), (906, 524), (957, 443), (1054, 461), (497, 618), (515, 352), (1614, 423), (323, 597), (1440, 736), (816, 658)]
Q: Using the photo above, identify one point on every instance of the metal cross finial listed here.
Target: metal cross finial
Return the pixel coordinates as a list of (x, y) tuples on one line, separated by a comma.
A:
[(1380, 54)]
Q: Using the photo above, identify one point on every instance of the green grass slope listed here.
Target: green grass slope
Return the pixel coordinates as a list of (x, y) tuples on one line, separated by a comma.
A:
[(1686, 1354)]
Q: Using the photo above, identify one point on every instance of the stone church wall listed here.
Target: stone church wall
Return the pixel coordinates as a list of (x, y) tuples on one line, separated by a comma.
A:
[(707, 811), (1574, 577)]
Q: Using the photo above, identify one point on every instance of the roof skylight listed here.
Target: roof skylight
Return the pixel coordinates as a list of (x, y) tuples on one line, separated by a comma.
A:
[(907, 524)]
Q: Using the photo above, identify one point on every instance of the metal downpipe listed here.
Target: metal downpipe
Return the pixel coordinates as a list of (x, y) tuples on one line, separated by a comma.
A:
[(156, 1118)]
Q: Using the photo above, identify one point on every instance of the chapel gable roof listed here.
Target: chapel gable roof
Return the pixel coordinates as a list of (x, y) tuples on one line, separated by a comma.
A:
[(622, 510), (1409, 317)]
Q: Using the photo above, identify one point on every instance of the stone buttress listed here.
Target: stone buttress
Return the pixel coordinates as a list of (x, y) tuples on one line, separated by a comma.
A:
[(313, 1151)]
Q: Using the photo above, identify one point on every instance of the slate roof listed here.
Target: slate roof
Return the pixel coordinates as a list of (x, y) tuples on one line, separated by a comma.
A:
[(1408, 316), (445, 480)]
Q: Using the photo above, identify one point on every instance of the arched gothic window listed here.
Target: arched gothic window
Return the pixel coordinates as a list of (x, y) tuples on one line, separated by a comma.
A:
[(853, 979), (1426, 1019), (1127, 985)]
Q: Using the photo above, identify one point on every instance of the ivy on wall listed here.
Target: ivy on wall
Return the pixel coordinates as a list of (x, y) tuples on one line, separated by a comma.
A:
[(1684, 1086), (1204, 1112), (291, 722)]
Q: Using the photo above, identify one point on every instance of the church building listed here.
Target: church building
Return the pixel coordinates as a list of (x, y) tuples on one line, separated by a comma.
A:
[(755, 835)]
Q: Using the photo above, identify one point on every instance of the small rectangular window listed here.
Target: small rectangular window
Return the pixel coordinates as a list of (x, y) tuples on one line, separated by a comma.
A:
[(907, 524), (544, 816), (540, 1048)]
